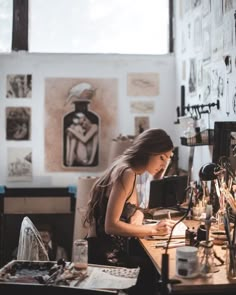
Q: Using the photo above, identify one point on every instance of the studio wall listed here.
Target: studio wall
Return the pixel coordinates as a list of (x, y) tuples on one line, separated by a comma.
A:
[(205, 47), (132, 93)]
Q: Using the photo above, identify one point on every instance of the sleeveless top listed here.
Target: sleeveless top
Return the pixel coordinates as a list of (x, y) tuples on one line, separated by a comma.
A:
[(114, 247)]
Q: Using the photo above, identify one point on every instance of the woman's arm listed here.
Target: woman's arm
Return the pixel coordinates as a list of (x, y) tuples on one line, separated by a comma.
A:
[(117, 199), (89, 134)]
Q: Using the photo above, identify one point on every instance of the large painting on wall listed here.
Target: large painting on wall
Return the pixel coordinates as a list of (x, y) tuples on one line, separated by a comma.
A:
[(80, 120)]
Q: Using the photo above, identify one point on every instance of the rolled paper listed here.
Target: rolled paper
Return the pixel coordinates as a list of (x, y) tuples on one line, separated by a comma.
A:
[(83, 192), (84, 186)]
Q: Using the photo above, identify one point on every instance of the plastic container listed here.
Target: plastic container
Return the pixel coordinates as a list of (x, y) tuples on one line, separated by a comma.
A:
[(187, 265)]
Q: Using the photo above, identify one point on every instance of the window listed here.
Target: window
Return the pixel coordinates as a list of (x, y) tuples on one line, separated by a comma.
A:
[(86, 26), (6, 14), (99, 26)]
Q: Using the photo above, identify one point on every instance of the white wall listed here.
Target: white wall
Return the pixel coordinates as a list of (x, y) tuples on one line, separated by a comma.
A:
[(43, 66), (190, 45)]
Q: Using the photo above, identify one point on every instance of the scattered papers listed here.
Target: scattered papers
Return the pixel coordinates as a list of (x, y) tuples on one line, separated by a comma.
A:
[(108, 278)]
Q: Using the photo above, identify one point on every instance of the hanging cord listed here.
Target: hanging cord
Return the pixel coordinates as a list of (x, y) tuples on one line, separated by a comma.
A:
[(182, 218)]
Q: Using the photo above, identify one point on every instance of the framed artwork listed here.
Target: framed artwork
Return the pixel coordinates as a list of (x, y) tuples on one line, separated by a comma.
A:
[(18, 123), (141, 124), (19, 86), (19, 164)]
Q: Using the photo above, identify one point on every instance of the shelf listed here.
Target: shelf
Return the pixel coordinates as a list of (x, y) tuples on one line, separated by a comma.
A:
[(205, 137)]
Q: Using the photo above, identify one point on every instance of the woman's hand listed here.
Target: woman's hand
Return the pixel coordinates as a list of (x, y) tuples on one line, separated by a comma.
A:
[(137, 218), (163, 227)]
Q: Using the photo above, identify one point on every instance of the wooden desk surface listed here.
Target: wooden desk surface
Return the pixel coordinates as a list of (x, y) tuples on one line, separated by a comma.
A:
[(217, 284)]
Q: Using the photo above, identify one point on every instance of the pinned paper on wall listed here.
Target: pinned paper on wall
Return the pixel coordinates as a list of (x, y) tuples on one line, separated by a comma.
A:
[(143, 84)]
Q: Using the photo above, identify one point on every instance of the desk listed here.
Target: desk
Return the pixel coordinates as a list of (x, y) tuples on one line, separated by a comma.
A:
[(217, 284)]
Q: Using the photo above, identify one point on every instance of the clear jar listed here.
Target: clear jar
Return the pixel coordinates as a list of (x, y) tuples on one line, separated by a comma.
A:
[(206, 258), (80, 254), (231, 262)]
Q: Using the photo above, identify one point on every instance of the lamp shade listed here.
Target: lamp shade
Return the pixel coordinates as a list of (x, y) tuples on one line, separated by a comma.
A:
[(208, 172)]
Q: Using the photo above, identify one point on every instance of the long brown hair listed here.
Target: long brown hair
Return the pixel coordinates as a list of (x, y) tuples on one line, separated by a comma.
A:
[(150, 142)]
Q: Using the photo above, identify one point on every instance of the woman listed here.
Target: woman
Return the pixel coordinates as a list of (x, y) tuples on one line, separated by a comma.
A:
[(82, 141), (113, 215)]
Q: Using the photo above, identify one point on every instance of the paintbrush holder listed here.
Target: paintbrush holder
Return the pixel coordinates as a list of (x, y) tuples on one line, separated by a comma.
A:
[(231, 262)]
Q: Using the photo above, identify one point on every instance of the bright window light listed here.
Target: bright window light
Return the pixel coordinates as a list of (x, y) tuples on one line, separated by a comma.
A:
[(99, 26), (6, 14)]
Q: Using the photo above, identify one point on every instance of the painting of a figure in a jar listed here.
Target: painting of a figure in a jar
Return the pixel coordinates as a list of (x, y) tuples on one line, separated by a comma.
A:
[(81, 129)]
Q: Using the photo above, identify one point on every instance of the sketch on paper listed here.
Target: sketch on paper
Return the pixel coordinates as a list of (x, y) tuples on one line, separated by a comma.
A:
[(141, 106), (228, 33), (183, 41), (18, 123), (186, 6), (19, 164), (141, 124), (206, 85), (217, 84), (217, 43), (228, 5), (143, 84), (192, 81), (206, 35), (196, 3), (183, 70), (217, 9), (19, 86), (80, 121), (206, 7), (199, 73), (197, 41)]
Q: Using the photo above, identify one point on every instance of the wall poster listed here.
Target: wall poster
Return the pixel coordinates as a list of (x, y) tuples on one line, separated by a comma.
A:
[(80, 118)]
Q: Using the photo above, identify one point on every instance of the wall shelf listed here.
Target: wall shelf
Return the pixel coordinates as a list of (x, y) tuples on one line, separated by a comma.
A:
[(205, 137)]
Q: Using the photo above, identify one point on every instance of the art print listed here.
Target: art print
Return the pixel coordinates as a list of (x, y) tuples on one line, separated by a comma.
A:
[(18, 123), (143, 84), (19, 164), (141, 124), (142, 107), (19, 86), (80, 121)]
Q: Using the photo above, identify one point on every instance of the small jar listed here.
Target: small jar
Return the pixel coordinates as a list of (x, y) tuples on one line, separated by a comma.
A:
[(190, 235), (80, 254), (187, 262)]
